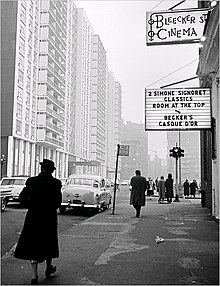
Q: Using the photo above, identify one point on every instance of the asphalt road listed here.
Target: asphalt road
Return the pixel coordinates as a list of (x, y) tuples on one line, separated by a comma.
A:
[(12, 220)]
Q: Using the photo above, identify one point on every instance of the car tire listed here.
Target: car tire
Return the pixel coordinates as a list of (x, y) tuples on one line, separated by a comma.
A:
[(62, 210), (4, 203)]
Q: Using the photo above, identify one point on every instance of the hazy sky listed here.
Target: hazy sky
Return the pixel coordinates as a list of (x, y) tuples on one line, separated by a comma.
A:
[(121, 26)]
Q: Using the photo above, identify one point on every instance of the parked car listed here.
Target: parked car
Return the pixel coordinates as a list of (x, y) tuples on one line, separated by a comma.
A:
[(12, 186), (85, 191), (5, 196)]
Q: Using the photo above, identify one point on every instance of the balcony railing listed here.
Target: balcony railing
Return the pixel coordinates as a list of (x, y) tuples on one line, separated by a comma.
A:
[(54, 127)]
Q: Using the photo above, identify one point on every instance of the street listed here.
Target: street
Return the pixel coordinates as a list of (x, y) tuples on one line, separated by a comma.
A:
[(13, 217)]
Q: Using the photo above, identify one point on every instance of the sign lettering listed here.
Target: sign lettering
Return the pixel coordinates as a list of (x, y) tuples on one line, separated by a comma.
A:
[(177, 109), (175, 27)]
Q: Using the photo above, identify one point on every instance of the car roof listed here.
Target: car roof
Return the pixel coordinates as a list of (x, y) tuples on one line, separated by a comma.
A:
[(85, 176), (17, 177)]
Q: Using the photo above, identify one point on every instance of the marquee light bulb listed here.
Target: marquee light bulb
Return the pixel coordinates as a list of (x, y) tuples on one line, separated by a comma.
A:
[(213, 3)]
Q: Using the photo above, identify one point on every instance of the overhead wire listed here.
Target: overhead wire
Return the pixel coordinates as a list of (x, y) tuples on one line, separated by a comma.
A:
[(172, 72), (157, 5)]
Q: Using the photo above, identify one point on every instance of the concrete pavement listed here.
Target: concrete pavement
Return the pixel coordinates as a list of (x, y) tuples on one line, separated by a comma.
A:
[(120, 249)]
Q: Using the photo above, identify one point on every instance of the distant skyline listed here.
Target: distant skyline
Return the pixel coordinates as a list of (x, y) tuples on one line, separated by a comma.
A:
[(121, 26)]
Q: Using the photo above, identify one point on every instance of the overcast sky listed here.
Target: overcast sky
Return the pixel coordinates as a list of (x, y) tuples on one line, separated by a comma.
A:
[(121, 26)]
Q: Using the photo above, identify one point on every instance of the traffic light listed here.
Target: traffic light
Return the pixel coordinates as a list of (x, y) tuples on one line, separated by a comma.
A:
[(171, 152), (181, 152), (176, 152), (3, 160)]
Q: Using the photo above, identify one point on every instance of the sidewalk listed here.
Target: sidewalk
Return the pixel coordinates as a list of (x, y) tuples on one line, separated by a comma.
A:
[(120, 249)]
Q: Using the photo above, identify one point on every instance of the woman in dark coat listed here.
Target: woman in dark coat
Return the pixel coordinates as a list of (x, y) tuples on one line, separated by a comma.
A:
[(193, 186), (169, 188), (39, 240), (186, 188), (138, 187)]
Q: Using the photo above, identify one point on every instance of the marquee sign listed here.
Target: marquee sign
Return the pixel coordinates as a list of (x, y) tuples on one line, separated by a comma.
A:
[(177, 109), (175, 27)]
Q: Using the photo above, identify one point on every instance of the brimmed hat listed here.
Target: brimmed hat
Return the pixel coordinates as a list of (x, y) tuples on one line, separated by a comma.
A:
[(48, 164)]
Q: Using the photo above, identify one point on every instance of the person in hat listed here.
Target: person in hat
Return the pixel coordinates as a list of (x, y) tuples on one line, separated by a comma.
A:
[(39, 239), (138, 188)]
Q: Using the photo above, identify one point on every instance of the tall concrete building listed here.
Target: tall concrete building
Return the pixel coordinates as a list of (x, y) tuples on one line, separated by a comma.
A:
[(54, 85), (136, 137), (110, 130), (55, 99), (37, 89), (98, 106), (83, 91), (19, 78)]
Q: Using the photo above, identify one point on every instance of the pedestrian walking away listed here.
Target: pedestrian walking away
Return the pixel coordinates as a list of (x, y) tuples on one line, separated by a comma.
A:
[(169, 188), (193, 186), (161, 190), (186, 189), (138, 187), (39, 239)]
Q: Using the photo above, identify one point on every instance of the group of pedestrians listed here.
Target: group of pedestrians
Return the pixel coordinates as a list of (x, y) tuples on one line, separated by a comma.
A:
[(140, 186), (189, 189)]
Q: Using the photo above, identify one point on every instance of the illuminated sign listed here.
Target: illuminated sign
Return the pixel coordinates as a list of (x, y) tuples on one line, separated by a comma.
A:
[(177, 109), (175, 27)]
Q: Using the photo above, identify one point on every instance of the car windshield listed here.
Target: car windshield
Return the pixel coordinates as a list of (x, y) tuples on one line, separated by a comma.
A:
[(82, 181), (13, 182)]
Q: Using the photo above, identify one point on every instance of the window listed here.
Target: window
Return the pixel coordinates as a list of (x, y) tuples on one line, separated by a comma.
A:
[(20, 94), (27, 115), (20, 77), (29, 69), (28, 84), (28, 97), (26, 131), (34, 90), (33, 118), (32, 132), (22, 45), (34, 102), (23, 13), (22, 30), (19, 110), (21, 61), (18, 126)]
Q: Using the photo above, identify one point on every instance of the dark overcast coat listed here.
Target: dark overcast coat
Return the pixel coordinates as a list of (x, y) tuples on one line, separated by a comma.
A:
[(169, 188), (139, 186), (39, 240)]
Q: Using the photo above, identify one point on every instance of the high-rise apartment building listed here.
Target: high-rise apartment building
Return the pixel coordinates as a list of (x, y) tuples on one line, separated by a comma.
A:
[(55, 101), (83, 90), (54, 91), (19, 79), (98, 106), (110, 138)]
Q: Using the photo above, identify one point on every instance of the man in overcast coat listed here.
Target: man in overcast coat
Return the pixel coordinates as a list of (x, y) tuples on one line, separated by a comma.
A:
[(138, 187)]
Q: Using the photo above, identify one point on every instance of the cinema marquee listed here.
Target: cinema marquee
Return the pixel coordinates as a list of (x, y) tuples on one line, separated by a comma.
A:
[(177, 109), (175, 27)]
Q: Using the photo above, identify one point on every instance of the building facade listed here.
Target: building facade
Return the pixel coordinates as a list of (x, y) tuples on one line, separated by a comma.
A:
[(136, 137), (55, 97), (19, 51), (208, 72)]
